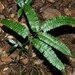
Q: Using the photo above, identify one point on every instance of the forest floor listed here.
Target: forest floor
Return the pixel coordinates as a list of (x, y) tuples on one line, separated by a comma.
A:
[(45, 9)]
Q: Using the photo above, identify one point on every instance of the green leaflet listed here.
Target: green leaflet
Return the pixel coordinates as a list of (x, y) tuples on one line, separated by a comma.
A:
[(21, 3), (32, 17), (11, 50), (57, 21), (19, 12), (22, 30), (48, 53), (28, 1), (54, 42)]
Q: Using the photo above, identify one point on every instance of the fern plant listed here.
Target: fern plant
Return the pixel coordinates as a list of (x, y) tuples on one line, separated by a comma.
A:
[(39, 38)]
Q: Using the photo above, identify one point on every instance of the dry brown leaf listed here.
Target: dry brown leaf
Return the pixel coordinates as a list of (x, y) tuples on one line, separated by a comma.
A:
[(49, 13)]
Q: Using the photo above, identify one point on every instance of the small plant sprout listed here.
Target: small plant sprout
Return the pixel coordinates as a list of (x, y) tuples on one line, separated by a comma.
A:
[(37, 33)]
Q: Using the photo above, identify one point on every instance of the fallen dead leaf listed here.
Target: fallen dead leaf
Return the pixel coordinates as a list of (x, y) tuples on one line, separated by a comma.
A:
[(22, 20), (38, 62), (2, 16), (51, 1), (69, 12), (6, 58), (49, 13), (1, 25), (33, 54), (12, 15), (24, 61)]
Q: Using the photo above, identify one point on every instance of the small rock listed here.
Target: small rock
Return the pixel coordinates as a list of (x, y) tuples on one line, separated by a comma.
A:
[(50, 12)]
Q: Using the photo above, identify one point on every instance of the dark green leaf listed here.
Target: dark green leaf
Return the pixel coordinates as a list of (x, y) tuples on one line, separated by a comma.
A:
[(48, 53), (11, 50), (20, 29), (19, 12), (54, 42), (20, 52), (32, 17), (57, 22), (20, 44)]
